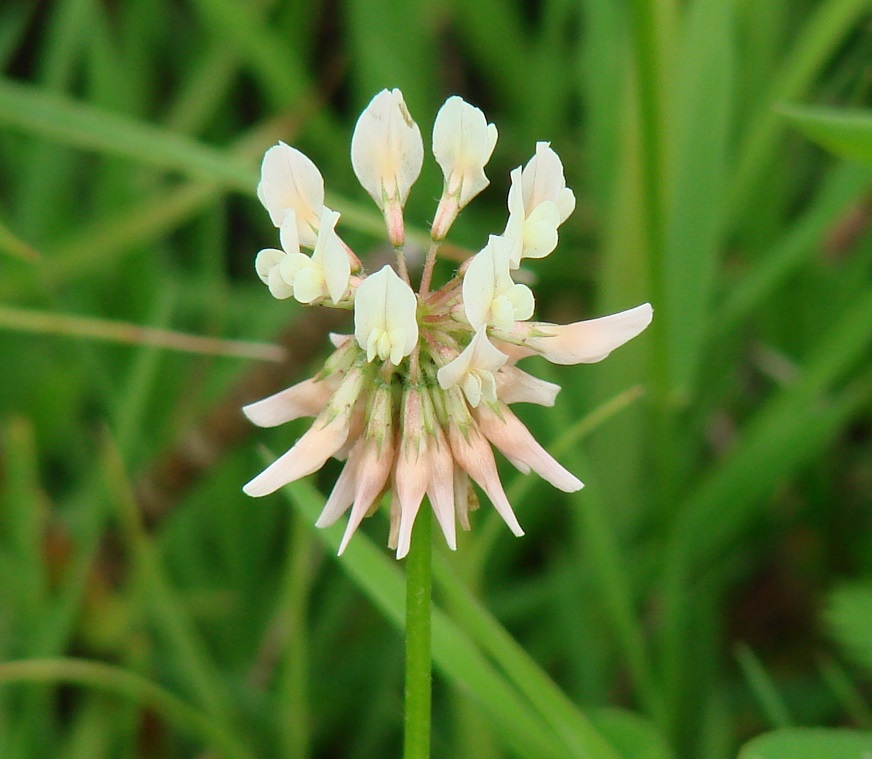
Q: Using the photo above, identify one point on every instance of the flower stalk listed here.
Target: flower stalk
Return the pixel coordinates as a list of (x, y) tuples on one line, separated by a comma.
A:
[(418, 692)]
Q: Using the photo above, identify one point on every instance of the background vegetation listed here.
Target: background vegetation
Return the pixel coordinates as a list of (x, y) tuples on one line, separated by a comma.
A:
[(711, 582)]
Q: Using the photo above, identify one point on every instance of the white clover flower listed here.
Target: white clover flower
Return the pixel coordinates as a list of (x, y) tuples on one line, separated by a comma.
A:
[(385, 324), (489, 295), (289, 181), (474, 369), (463, 142), (539, 202), (325, 275), (418, 397), (387, 153)]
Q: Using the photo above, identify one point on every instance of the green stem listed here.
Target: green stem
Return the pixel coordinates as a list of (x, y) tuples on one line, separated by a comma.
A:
[(418, 659)]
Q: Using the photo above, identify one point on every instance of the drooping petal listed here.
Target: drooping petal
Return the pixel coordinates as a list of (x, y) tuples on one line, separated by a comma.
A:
[(372, 475), (585, 342), (290, 181), (516, 386), (472, 452), (463, 142), (342, 495), (440, 488), (385, 323), (515, 442), (387, 151), (306, 398), (308, 455)]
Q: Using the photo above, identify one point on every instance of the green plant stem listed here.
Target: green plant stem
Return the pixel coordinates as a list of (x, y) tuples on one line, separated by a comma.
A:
[(418, 661)]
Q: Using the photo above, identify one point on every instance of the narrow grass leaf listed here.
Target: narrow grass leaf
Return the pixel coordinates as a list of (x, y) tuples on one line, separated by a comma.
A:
[(846, 133), (809, 743)]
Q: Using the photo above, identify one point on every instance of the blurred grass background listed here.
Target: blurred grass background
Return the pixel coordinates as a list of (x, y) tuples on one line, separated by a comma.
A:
[(710, 583)]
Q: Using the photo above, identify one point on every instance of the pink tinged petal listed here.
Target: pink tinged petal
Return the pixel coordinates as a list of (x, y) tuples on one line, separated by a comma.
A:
[(410, 480), (587, 342), (513, 351), (306, 398), (372, 474), (308, 455), (342, 495), (440, 489), (516, 386), (387, 151), (465, 499), (338, 340), (289, 180), (516, 443), (473, 453)]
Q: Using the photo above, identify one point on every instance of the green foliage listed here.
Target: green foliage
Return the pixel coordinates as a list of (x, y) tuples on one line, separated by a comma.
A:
[(808, 743), (669, 609)]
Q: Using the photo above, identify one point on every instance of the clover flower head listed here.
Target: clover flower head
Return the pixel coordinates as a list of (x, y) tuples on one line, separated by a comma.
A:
[(416, 400)]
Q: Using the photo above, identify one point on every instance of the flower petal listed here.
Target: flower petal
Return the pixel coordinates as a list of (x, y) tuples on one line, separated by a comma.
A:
[(306, 398), (387, 151), (516, 386), (463, 142), (516, 443), (473, 453), (385, 322), (289, 180), (587, 342), (308, 455)]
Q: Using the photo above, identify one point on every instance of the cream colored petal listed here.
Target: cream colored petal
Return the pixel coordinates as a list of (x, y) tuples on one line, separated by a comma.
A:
[(385, 321), (565, 203), (587, 342), (479, 288), (265, 261), (387, 151), (523, 303), (542, 177), (463, 142), (410, 483), (277, 286), (330, 256), (306, 398), (540, 230), (289, 233), (516, 443), (309, 284), (289, 180)]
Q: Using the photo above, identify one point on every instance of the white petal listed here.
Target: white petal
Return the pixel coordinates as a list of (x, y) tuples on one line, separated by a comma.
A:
[(330, 256), (387, 151), (289, 180), (587, 342), (463, 142), (277, 286), (540, 230), (542, 177), (265, 261), (289, 233), (385, 322)]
